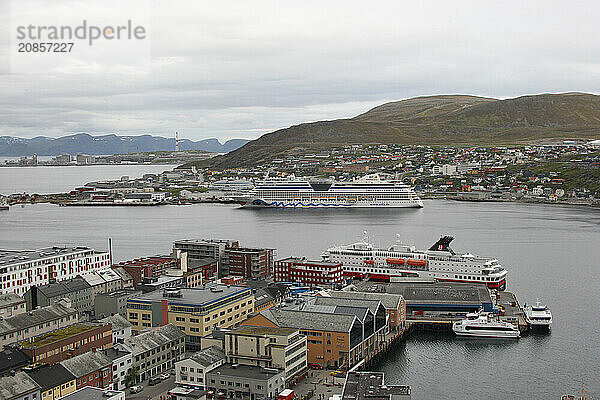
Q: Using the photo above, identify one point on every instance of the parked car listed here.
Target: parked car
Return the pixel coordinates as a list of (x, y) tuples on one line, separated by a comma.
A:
[(315, 366), (164, 375), (154, 380), (135, 389)]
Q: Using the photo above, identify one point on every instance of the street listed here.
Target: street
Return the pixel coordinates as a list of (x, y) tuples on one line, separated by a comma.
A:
[(152, 392)]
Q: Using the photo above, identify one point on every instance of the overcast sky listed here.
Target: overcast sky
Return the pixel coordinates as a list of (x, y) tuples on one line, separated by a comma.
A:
[(238, 69)]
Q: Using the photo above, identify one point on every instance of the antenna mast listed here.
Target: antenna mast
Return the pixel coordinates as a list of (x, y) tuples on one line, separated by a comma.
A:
[(176, 141)]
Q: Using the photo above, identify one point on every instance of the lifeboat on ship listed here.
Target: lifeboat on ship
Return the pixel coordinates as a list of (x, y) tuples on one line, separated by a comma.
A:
[(417, 263), (395, 261), (370, 262)]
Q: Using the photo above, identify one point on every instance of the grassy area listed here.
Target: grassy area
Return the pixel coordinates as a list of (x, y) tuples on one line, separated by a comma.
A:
[(56, 336), (575, 177)]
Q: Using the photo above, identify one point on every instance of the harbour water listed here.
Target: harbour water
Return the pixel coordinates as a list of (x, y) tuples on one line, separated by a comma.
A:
[(43, 180), (551, 252)]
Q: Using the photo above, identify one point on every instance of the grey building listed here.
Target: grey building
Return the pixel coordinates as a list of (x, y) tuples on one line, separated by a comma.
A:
[(77, 289), (150, 284), (113, 302), (206, 248), (103, 281), (19, 387), (37, 322), (121, 328), (12, 359), (156, 350), (11, 304), (247, 382)]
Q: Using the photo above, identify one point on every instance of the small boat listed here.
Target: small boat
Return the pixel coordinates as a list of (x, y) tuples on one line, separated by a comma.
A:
[(417, 263), (370, 262), (4, 205), (484, 325), (538, 316)]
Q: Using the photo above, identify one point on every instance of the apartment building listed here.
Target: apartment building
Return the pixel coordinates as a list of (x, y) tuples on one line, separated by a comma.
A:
[(121, 328), (12, 304), (64, 343), (146, 267), (122, 361), (55, 381), (19, 387), (305, 272), (156, 350), (191, 371), (269, 347), (26, 326), (92, 368), (248, 263), (22, 269), (246, 382), (205, 248), (196, 311)]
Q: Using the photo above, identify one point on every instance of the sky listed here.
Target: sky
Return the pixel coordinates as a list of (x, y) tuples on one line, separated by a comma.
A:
[(239, 69)]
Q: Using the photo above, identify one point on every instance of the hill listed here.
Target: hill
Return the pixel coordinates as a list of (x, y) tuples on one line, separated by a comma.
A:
[(83, 143), (435, 120)]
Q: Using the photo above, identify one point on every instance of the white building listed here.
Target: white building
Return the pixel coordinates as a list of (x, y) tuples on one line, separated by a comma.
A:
[(191, 372), (121, 328), (121, 363), (22, 269)]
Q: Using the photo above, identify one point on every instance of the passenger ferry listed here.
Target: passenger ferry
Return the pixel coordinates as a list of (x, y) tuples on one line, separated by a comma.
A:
[(538, 316), (368, 191), (439, 262), (485, 325)]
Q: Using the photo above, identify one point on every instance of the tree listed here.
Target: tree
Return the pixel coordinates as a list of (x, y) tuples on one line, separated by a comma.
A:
[(132, 376)]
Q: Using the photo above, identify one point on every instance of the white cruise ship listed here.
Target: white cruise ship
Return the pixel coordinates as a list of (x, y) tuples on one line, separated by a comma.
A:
[(439, 262), (368, 191)]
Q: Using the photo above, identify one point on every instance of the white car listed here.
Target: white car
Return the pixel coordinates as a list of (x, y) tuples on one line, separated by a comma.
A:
[(136, 389), (164, 376)]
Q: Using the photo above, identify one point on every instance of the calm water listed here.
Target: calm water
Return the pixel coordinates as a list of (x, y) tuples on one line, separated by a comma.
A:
[(63, 179), (550, 252)]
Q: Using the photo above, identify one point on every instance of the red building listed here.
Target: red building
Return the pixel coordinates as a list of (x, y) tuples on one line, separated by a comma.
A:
[(249, 263), (147, 267), (90, 369), (300, 270), (68, 342)]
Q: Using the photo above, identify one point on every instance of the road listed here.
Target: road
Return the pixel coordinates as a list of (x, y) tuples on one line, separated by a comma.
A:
[(152, 392)]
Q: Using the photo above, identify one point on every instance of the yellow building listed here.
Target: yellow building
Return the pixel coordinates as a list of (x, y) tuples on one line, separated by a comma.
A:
[(54, 380), (196, 311)]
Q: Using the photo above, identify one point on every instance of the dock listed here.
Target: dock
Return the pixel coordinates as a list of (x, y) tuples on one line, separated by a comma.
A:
[(513, 313)]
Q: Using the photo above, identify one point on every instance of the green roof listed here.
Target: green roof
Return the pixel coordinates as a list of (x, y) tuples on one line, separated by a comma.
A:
[(56, 336)]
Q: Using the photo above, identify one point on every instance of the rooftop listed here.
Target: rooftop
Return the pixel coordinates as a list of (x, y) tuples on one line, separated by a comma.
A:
[(371, 304), (55, 336), (63, 288), (49, 376), (263, 330), (441, 293), (310, 320), (389, 300), (12, 359), (117, 321), (246, 372), (92, 393), (86, 363), (102, 276), (208, 356), (10, 299), (152, 339), (145, 261), (11, 257), (16, 386), (120, 293), (193, 296), (35, 317), (370, 386)]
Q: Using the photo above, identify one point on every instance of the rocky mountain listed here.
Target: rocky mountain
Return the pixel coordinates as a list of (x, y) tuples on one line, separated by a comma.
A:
[(83, 143), (448, 119)]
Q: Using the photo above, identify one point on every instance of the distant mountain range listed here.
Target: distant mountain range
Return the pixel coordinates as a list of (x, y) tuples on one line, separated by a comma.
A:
[(434, 120), (83, 143)]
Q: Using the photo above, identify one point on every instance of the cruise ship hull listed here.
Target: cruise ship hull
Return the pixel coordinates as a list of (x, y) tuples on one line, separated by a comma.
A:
[(260, 203)]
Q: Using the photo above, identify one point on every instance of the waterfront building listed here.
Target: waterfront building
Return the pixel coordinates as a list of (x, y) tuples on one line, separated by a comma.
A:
[(11, 304), (22, 269), (114, 302), (121, 328), (304, 272), (196, 311), (205, 248), (155, 350), (243, 381), (37, 322), (55, 381), (269, 347), (394, 305), (92, 368), (64, 343), (19, 387), (248, 263), (146, 267), (191, 371), (368, 385)]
